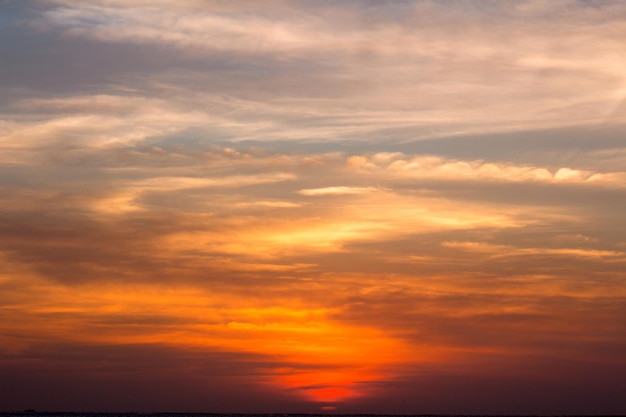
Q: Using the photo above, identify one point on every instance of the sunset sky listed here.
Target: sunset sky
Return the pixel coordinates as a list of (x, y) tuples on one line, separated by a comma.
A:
[(313, 206)]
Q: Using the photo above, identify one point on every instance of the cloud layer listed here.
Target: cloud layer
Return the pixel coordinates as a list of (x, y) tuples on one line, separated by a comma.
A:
[(353, 206)]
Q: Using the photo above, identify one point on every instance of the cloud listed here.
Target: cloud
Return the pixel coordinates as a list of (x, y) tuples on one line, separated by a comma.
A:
[(374, 71), (444, 169), (128, 195), (497, 251), (337, 190)]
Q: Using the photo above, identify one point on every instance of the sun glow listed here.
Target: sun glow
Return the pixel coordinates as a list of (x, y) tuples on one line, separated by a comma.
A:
[(332, 362)]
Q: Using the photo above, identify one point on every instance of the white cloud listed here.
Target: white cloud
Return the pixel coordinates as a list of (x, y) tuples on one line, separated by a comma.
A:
[(338, 190), (504, 70), (401, 166)]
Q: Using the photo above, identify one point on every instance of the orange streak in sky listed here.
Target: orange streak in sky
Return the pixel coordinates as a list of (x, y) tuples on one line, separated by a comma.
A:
[(328, 386), (327, 360)]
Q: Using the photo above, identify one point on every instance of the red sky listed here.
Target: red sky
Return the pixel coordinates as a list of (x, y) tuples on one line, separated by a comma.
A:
[(277, 207)]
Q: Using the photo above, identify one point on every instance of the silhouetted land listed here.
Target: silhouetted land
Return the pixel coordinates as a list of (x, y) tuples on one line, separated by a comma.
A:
[(34, 413)]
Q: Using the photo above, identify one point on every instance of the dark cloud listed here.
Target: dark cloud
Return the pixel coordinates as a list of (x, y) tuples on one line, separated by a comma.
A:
[(532, 386), (138, 378)]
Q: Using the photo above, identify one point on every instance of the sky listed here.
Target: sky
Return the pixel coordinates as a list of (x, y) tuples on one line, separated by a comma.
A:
[(313, 206)]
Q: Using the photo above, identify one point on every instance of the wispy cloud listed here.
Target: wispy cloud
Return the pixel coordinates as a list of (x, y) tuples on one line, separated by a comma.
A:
[(336, 190), (495, 76)]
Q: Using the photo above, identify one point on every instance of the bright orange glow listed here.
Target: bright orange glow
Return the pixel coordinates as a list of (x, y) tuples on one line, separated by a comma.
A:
[(338, 358), (328, 386)]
